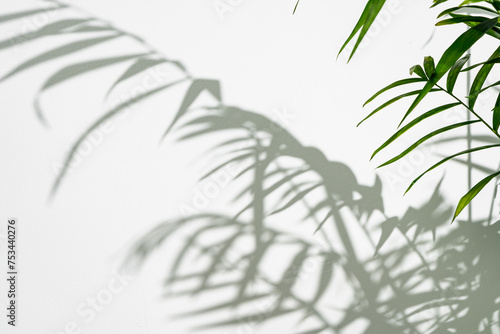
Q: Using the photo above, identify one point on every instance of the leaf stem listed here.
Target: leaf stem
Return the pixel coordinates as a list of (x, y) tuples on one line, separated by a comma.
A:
[(469, 145), (493, 197), (470, 110)]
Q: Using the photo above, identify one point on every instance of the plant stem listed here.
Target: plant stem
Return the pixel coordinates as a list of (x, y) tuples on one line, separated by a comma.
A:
[(469, 144), (470, 110), (495, 191)]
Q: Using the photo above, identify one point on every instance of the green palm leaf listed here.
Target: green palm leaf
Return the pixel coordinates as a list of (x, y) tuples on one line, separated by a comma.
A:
[(424, 139), (464, 201), (468, 151)]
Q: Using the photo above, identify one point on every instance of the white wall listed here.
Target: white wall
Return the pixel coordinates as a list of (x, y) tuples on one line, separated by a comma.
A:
[(266, 59)]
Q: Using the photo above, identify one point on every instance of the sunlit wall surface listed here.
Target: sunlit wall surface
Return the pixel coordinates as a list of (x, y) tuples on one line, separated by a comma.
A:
[(180, 166)]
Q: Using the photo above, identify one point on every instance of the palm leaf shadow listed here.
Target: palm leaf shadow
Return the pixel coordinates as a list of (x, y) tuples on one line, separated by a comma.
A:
[(339, 189), (279, 175)]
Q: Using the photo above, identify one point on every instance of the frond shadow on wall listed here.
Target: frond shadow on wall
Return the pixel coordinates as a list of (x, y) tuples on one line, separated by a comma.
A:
[(416, 286)]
